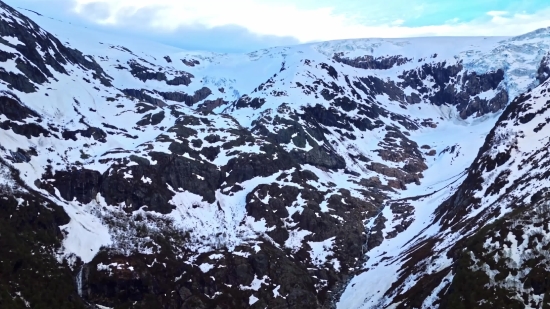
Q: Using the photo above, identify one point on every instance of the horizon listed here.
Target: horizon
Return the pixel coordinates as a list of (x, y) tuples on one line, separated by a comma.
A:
[(170, 44), (211, 26)]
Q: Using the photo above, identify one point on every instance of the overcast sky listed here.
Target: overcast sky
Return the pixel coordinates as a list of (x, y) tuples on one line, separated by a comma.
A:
[(246, 25)]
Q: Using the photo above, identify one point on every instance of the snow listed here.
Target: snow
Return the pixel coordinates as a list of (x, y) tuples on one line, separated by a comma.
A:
[(85, 233), (257, 283), (276, 292), (252, 300), (216, 256), (205, 267), (320, 251), (295, 239), (210, 228), (12, 40), (110, 267), (383, 274)]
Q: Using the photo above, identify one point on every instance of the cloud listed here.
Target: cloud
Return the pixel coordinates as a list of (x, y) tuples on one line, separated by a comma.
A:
[(229, 38), (148, 22), (262, 18), (139, 21), (497, 13), (245, 25), (96, 11), (306, 24)]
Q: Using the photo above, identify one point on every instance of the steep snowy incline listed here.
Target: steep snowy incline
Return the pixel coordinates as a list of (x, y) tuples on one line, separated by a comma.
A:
[(195, 179), (501, 205)]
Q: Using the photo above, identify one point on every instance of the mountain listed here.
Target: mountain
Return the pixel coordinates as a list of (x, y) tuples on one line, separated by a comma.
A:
[(367, 173)]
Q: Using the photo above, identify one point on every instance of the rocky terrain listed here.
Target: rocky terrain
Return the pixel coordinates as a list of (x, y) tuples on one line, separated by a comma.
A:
[(348, 174)]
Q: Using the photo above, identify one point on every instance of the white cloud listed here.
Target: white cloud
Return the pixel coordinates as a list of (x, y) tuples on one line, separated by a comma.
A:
[(285, 19), (497, 13)]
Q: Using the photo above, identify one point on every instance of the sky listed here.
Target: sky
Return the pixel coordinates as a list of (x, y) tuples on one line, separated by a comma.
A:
[(247, 25)]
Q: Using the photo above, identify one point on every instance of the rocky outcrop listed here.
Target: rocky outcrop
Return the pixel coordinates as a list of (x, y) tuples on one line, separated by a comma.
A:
[(369, 62), (190, 62), (402, 177), (543, 71), (35, 66), (455, 86), (143, 95), (246, 101), (144, 74), (189, 100), (126, 185)]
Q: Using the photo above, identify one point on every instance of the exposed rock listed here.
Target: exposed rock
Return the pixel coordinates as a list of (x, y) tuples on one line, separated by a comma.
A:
[(543, 71), (190, 62), (199, 95), (369, 62), (246, 101), (447, 77), (402, 176), (144, 74)]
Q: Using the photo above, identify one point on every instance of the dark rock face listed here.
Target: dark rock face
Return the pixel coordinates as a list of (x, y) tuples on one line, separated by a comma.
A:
[(13, 109), (82, 185), (34, 40), (190, 62), (97, 133), (21, 119), (189, 100), (246, 101), (199, 95), (17, 81), (369, 62), (543, 71), (402, 177), (144, 74), (142, 281), (321, 157), (143, 96), (24, 229), (126, 185), (378, 86), (447, 78), (209, 105), (328, 117)]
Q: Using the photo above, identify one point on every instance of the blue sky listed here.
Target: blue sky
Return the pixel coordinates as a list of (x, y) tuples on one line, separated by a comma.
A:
[(246, 25)]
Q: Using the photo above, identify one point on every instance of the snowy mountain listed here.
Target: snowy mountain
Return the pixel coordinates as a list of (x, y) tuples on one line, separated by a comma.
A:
[(349, 174)]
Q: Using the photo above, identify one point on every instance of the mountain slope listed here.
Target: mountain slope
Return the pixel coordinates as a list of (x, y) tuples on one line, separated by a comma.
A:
[(202, 180), (485, 234)]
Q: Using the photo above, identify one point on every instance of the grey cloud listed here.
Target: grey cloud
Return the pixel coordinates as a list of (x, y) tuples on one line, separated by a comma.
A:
[(96, 10), (230, 38)]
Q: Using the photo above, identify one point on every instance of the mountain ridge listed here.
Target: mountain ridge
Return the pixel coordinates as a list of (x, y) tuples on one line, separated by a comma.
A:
[(279, 178)]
